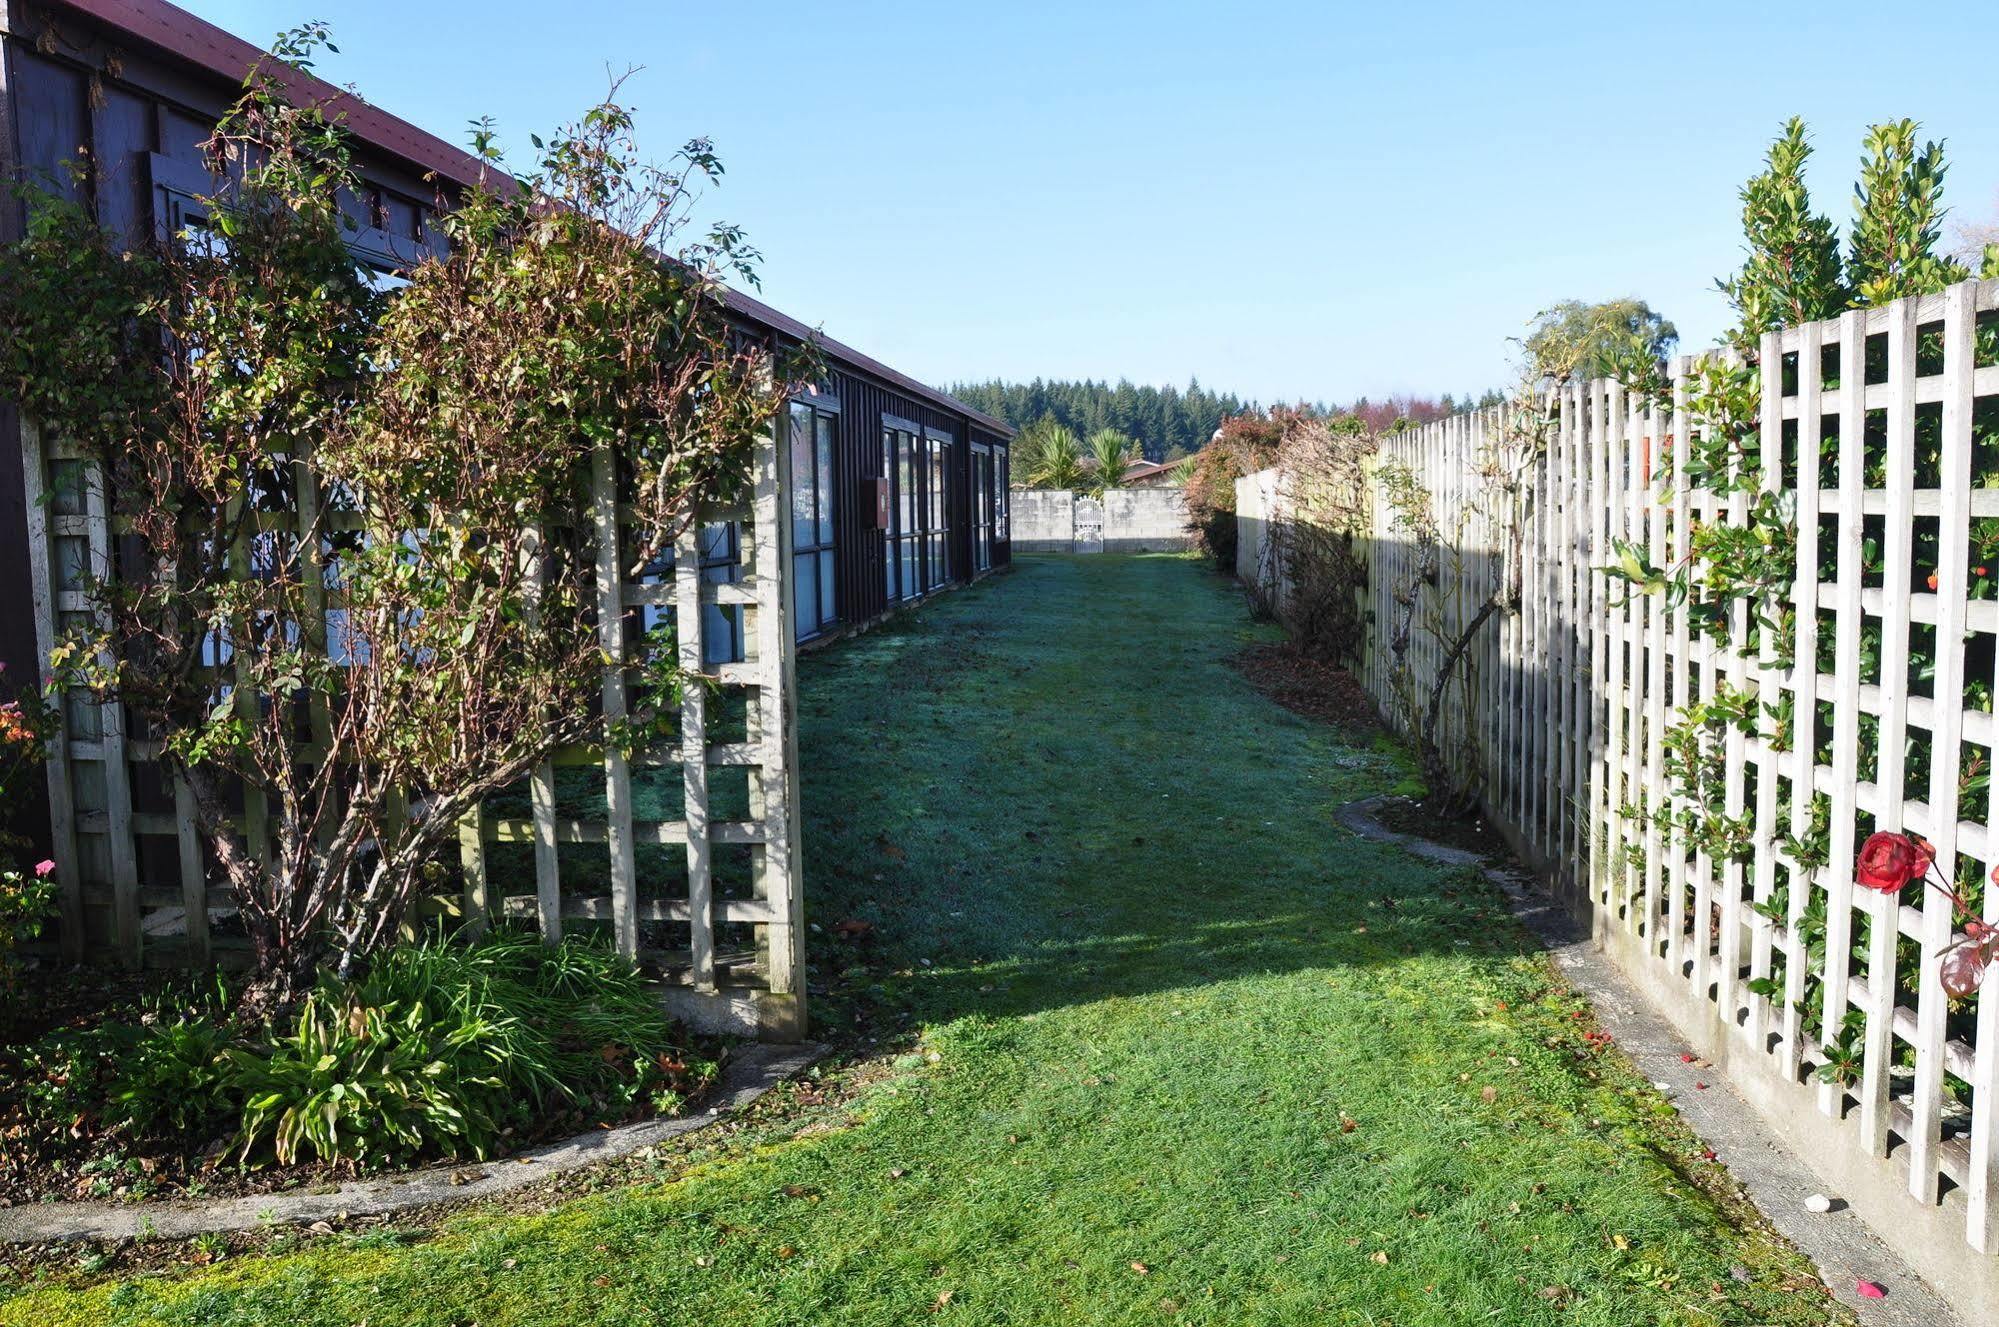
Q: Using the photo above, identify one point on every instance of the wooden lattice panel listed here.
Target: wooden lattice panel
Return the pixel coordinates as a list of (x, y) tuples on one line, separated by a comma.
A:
[(1577, 686), (729, 962)]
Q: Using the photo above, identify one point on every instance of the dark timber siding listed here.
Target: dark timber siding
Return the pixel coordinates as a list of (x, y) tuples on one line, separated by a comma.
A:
[(128, 90), (863, 595), (84, 87)]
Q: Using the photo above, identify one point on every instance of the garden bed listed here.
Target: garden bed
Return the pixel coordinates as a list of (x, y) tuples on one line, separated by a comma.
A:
[(1406, 815), (1308, 686), (128, 1089)]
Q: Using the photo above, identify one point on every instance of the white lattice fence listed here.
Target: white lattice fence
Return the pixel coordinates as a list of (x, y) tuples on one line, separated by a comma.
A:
[(592, 839), (1881, 719)]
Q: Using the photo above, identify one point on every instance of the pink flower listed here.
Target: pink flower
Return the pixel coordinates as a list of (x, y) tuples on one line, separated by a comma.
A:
[(45, 868)]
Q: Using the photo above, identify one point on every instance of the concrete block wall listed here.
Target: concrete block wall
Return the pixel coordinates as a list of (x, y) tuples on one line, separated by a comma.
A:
[(1131, 520)]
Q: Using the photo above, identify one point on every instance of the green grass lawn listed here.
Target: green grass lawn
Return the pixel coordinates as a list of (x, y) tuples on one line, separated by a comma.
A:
[(1180, 1049)]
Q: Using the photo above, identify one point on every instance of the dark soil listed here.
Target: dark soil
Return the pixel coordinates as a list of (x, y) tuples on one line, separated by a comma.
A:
[(49, 994), (1309, 686), (1406, 816)]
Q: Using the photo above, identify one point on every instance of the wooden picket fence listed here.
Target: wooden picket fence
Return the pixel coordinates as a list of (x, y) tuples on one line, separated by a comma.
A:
[(723, 933), (1561, 710)]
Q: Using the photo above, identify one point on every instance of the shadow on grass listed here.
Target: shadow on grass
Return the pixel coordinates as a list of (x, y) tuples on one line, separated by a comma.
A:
[(1053, 788)]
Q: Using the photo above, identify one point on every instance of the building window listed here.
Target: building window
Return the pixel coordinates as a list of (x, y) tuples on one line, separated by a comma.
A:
[(938, 530), (901, 453), (917, 545), (1002, 482), (721, 564), (982, 508), (812, 596)]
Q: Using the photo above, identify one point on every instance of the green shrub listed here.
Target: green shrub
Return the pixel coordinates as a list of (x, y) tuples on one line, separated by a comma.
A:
[(449, 1048), (440, 1048), (172, 1082)]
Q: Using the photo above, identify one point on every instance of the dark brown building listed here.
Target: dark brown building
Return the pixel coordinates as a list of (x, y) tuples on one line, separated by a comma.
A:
[(901, 488)]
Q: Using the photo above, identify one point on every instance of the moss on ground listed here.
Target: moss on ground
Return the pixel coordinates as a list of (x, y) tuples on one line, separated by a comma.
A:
[(1189, 1052)]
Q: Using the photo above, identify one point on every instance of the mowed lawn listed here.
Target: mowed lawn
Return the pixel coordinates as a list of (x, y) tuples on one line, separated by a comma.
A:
[(1178, 1049)]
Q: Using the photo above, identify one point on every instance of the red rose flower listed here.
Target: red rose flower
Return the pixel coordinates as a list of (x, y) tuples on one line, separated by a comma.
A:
[(1887, 862)]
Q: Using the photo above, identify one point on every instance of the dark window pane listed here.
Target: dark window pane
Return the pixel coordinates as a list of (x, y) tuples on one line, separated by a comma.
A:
[(824, 460)]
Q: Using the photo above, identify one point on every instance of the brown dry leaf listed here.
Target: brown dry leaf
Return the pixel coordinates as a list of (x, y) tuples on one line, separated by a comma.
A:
[(1140, 1268), (943, 1298), (1348, 1124), (1488, 1094), (1379, 1256)]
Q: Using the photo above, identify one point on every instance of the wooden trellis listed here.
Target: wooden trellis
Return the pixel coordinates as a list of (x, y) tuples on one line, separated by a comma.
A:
[(1573, 691), (726, 943)]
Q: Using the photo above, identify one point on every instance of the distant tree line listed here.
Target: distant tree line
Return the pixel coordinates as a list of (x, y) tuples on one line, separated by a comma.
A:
[(1170, 423)]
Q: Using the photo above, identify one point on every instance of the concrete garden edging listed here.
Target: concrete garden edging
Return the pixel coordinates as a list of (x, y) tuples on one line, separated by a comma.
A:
[(1774, 1177), (752, 1073)]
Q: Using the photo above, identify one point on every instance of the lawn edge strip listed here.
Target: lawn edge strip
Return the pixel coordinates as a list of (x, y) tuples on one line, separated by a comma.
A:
[(755, 1071)]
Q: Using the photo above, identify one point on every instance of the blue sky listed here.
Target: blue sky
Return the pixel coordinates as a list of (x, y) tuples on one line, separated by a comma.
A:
[(1284, 199)]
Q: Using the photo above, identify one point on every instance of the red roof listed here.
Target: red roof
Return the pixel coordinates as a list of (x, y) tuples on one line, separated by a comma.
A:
[(176, 32)]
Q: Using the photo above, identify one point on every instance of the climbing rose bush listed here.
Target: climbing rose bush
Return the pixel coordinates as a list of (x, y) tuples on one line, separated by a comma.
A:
[(1888, 862)]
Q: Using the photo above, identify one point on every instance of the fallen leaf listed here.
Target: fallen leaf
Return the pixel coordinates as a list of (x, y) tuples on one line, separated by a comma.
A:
[(1868, 1290), (1140, 1268), (1379, 1256), (1488, 1095)]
